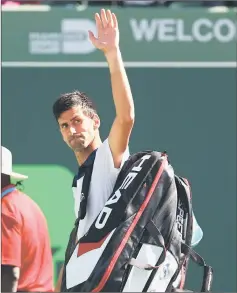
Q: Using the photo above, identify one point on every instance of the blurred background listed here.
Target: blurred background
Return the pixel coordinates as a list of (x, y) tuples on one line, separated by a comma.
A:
[(181, 62)]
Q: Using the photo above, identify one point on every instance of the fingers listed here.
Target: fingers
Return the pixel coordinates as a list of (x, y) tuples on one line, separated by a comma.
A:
[(115, 21), (92, 38), (110, 19), (98, 21), (106, 19)]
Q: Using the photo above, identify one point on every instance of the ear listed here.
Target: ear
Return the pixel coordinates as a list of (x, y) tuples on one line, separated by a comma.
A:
[(96, 120)]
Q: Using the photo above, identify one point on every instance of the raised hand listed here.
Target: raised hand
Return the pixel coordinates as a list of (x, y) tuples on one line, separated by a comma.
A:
[(107, 31)]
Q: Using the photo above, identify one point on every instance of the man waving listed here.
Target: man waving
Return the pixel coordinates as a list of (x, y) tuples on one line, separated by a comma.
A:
[(79, 125)]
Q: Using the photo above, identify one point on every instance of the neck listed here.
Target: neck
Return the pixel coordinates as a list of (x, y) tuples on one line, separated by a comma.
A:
[(83, 155)]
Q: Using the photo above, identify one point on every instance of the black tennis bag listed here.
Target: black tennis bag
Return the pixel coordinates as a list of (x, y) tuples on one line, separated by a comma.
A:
[(140, 241)]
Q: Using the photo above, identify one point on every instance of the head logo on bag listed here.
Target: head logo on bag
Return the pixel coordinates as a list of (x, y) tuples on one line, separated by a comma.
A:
[(105, 213), (140, 241)]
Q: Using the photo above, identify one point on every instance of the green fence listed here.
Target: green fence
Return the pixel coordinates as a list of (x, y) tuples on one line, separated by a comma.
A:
[(190, 112)]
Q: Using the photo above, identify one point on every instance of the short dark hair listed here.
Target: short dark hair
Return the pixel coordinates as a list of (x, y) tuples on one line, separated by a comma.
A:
[(73, 99)]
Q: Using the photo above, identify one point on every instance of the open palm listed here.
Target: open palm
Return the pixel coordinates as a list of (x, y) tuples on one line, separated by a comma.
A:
[(107, 31)]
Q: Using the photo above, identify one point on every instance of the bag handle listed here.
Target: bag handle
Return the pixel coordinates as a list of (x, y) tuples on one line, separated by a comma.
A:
[(156, 234), (208, 270)]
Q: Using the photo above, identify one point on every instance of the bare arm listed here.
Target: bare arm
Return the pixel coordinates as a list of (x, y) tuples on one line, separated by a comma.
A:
[(108, 42), (124, 120), (10, 277)]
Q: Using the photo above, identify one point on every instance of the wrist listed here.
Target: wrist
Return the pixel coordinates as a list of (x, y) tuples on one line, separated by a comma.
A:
[(112, 54)]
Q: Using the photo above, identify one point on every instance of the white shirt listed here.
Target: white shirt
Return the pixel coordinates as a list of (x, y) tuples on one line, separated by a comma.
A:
[(103, 178)]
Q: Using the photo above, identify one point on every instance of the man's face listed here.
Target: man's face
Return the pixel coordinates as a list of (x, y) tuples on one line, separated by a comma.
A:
[(77, 128)]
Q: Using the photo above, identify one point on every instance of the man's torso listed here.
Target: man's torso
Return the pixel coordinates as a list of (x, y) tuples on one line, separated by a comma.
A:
[(26, 243)]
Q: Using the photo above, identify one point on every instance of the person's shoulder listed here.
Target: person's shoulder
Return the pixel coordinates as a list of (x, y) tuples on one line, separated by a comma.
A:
[(103, 151), (104, 158), (9, 202), (104, 146), (24, 204), (10, 206)]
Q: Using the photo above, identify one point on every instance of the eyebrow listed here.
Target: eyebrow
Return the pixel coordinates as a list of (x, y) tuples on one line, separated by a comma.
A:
[(75, 117)]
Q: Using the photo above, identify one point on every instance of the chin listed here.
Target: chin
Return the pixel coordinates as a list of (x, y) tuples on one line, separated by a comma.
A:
[(79, 148)]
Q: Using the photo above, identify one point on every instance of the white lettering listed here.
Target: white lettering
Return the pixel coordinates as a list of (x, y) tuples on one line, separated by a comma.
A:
[(166, 26), (138, 168), (196, 30), (104, 215), (114, 198), (143, 29), (181, 34), (169, 30), (180, 219), (231, 30), (44, 36), (180, 229), (181, 211), (128, 180)]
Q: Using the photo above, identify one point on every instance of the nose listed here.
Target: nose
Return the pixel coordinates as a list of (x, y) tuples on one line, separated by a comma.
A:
[(72, 130)]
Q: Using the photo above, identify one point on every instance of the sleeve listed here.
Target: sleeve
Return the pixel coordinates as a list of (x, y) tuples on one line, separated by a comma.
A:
[(106, 159), (11, 240), (104, 173)]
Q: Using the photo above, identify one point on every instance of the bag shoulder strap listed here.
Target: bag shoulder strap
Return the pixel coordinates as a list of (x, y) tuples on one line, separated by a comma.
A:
[(185, 197), (84, 193), (72, 243), (85, 190)]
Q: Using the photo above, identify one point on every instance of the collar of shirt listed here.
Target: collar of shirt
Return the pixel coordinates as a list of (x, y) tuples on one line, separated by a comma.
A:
[(7, 189), (81, 169)]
